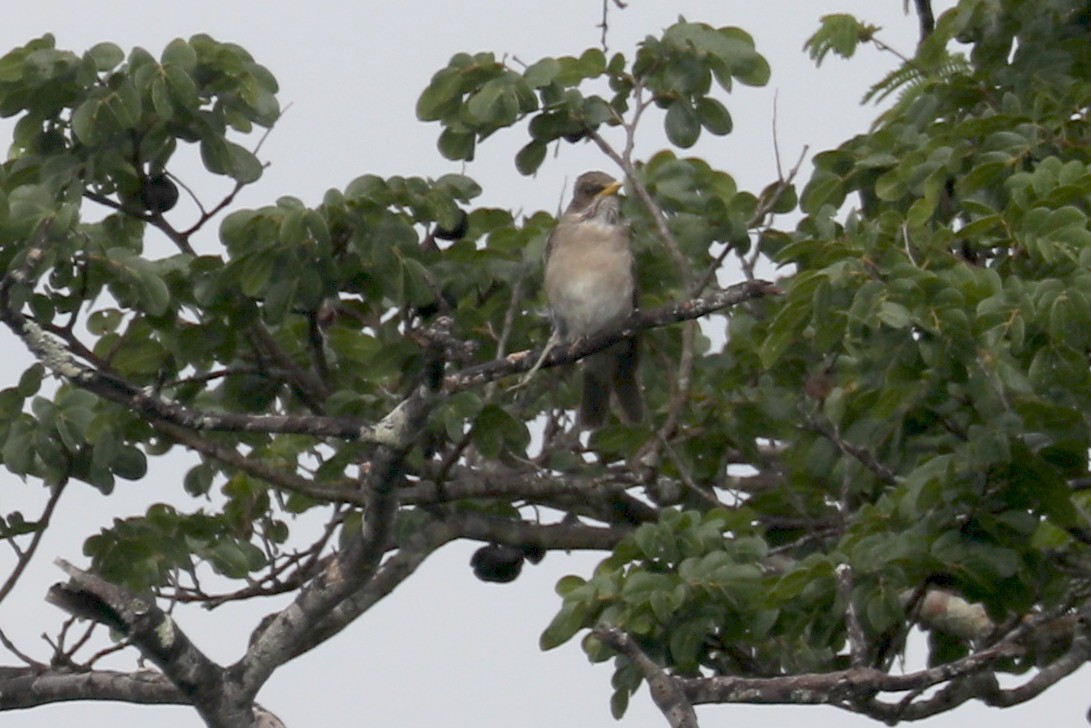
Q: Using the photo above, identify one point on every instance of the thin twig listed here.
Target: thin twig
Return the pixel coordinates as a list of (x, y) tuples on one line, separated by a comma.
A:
[(26, 555), (10, 646), (659, 220), (684, 475), (505, 330), (857, 640), (926, 17)]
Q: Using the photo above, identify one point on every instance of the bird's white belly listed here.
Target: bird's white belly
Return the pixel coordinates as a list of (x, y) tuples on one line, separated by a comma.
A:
[(593, 298)]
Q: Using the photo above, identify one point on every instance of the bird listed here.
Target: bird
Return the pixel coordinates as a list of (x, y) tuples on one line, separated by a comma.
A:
[(590, 286)]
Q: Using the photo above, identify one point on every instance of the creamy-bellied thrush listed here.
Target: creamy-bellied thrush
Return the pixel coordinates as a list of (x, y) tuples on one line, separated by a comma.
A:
[(590, 286)]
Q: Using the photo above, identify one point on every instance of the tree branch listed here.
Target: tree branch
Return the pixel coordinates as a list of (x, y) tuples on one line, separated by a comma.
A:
[(387, 432), (393, 572), (352, 569), (26, 555), (926, 18), (665, 690), (659, 220), (159, 639), (519, 362), (22, 688)]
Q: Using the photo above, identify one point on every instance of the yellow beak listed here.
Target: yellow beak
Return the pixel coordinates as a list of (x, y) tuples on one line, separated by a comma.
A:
[(610, 189)]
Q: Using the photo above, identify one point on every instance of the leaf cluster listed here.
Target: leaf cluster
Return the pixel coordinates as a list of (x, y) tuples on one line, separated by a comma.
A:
[(475, 96), (925, 377)]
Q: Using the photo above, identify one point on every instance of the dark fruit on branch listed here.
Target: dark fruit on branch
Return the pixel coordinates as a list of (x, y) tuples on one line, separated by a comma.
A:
[(158, 193), (449, 303), (497, 563), (578, 136), (533, 554), (454, 233)]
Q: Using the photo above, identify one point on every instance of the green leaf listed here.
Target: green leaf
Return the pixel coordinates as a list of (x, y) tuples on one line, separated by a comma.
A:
[(542, 73), (747, 65), (713, 116), (241, 164), (105, 56), (233, 559), (839, 33), (686, 641), (495, 431), (783, 333), (139, 357), (72, 426), (822, 189), (564, 626), (567, 584), (484, 106), (891, 186), (179, 53), (18, 451), (619, 703), (86, 122), (456, 145), (442, 97), (182, 87), (530, 157), (31, 380), (682, 125), (895, 315)]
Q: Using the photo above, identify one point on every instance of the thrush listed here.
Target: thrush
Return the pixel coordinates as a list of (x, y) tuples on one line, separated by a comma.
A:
[(590, 286)]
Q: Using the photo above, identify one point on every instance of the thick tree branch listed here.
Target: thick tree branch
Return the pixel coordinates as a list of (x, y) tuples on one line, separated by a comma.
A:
[(61, 362), (393, 572), (984, 686), (159, 639), (961, 680), (440, 531), (285, 633), (22, 688), (665, 690)]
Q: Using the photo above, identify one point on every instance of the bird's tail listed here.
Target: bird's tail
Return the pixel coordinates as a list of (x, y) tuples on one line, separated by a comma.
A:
[(595, 400), (626, 385), (614, 369)]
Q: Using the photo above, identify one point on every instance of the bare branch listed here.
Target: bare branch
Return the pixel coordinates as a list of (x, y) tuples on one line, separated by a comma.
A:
[(926, 18), (351, 570), (159, 639), (665, 690), (26, 555), (519, 362), (865, 457), (22, 688), (649, 203), (855, 630)]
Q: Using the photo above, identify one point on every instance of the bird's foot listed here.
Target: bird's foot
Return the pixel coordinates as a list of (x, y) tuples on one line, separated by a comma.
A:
[(553, 341)]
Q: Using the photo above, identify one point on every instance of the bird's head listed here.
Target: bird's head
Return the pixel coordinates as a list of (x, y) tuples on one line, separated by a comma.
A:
[(595, 197)]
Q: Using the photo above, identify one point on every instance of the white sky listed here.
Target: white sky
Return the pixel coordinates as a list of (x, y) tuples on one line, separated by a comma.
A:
[(444, 649)]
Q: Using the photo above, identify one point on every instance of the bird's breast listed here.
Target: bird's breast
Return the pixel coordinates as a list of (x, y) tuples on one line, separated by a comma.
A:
[(589, 278)]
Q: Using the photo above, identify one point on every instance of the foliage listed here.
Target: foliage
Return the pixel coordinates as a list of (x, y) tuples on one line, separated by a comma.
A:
[(909, 416), (940, 333)]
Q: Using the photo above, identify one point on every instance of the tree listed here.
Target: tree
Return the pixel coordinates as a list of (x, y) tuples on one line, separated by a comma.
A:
[(892, 437)]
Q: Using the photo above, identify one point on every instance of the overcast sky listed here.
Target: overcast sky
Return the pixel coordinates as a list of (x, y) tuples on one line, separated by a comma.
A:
[(444, 650)]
